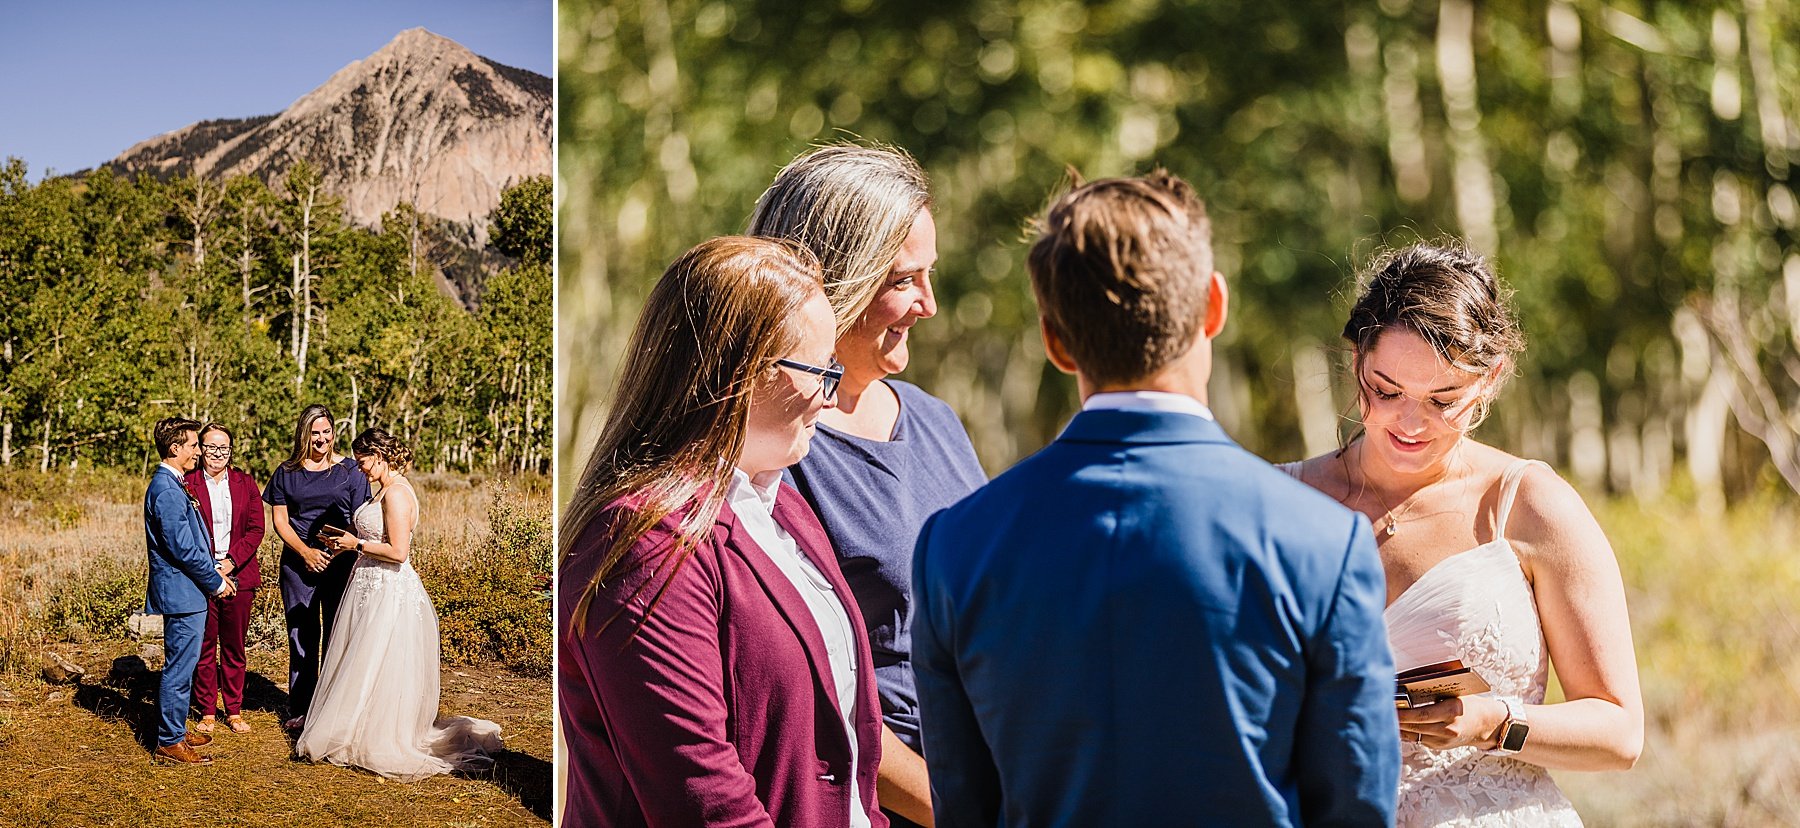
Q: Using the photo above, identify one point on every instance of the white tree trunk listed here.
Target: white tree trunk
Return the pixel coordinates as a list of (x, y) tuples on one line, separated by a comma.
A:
[(1587, 431), (1472, 177), (1405, 122), (1312, 396)]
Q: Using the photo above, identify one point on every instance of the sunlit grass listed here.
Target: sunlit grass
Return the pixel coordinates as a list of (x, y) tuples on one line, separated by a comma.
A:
[(1712, 601), (72, 563)]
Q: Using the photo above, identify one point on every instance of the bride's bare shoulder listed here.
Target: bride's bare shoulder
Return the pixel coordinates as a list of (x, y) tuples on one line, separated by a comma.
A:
[(1325, 472)]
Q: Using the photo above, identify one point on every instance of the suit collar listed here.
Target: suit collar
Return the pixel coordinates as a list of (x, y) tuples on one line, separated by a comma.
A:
[(812, 542), (1142, 427)]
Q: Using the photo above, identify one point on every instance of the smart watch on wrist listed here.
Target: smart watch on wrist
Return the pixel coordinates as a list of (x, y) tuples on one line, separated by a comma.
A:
[(1512, 733)]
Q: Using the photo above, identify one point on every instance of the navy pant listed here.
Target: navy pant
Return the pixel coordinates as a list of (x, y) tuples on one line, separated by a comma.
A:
[(181, 651), (311, 603)]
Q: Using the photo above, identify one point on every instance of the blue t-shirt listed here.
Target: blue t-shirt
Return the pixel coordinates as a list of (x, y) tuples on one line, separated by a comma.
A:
[(317, 498), (873, 496)]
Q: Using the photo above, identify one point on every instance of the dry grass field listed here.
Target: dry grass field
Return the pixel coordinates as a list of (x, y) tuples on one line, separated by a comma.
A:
[(71, 566), (1715, 601)]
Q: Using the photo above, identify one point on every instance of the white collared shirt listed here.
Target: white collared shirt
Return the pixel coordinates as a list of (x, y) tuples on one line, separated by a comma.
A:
[(218, 495), (755, 508), (1147, 401)]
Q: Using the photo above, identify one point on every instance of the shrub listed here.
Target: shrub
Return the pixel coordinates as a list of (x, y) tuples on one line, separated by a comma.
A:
[(495, 605), (96, 602)]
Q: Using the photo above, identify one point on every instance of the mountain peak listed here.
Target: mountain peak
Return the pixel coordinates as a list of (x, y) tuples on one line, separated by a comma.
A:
[(422, 120), (419, 41)]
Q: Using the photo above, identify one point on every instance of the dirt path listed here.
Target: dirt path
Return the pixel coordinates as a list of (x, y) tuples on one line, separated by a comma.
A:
[(75, 755)]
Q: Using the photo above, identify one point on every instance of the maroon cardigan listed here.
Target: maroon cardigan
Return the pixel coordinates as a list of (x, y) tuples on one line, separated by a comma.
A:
[(246, 521), (717, 710)]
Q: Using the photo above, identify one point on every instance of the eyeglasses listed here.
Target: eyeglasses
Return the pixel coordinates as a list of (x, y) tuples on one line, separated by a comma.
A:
[(217, 451), (832, 375)]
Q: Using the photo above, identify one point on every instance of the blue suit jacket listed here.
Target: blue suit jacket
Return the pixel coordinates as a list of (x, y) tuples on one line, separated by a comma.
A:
[(181, 561), (1143, 624)]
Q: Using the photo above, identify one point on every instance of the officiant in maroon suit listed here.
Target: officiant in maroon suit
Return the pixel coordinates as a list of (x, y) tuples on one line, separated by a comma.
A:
[(231, 510), (710, 667)]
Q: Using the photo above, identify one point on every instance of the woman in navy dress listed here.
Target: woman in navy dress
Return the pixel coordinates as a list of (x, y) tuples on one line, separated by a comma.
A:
[(315, 487), (889, 454)]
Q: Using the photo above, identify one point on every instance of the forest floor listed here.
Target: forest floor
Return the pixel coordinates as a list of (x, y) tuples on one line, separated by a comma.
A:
[(78, 754)]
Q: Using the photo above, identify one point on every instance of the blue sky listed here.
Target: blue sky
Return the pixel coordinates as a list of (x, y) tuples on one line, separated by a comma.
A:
[(80, 82)]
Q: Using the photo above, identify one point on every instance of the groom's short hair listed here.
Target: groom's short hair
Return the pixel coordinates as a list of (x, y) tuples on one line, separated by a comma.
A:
[(168, 431), (1120, 269)]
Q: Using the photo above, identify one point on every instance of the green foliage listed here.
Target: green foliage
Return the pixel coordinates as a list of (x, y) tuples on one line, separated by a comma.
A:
[(96, 603), (523, 221), (496, 605), (1317, 132), (132, 300)]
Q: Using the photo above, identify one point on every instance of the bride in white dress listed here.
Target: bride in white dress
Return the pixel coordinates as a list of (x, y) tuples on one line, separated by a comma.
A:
[(1490, 559), (376, 703)]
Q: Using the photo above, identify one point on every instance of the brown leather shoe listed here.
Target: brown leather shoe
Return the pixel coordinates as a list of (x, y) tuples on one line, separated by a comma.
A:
[(197, 739), (181, 753)]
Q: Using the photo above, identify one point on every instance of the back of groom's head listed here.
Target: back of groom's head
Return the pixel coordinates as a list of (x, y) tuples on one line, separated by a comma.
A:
[(1121, 269), (171, 432)]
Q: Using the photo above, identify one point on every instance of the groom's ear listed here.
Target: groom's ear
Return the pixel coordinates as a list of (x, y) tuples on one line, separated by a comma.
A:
[(1054, 348), (1218, 301)]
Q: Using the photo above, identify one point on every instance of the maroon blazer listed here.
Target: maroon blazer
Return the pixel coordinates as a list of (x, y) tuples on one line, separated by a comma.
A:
[(246, 521), (716, 710)]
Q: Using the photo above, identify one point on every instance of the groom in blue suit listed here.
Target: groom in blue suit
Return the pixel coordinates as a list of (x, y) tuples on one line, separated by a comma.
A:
[(182, 575), (1143, 624)]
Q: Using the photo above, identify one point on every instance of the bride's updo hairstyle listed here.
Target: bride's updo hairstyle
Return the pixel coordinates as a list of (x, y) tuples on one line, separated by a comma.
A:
[(378, 443), (1449, 296)]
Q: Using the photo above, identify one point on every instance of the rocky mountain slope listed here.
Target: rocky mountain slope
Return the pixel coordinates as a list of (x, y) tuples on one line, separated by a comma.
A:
[(423, 120)]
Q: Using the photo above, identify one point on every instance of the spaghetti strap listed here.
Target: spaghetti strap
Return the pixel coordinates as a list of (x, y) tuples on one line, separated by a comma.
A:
[(1509, 488)]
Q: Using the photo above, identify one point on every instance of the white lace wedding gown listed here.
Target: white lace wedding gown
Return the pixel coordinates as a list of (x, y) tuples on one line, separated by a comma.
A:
[(1476, 606), (376, 703)]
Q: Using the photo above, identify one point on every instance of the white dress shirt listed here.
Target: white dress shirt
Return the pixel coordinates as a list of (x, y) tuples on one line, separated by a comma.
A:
[(218, 495), (1147, 401), (755, 507)]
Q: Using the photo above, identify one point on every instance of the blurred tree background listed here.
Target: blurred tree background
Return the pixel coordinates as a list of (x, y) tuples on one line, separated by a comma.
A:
[(1628, 164), (123, 301)]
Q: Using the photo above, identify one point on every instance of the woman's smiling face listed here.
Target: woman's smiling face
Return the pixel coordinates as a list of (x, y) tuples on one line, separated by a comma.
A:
[(1416, 406), (876, 344)]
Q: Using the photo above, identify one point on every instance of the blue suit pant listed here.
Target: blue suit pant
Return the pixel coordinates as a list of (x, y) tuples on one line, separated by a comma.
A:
[(181, 653)]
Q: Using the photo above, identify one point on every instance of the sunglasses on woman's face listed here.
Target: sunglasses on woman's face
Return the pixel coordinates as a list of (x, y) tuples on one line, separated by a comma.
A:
[(832, 374)]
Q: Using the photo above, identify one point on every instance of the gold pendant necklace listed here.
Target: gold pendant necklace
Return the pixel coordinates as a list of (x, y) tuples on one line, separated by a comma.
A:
[(1404, 508)]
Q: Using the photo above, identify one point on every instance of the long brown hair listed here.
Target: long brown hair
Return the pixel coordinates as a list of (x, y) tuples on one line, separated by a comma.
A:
[(303, 434), (712, 326), (853, 207)]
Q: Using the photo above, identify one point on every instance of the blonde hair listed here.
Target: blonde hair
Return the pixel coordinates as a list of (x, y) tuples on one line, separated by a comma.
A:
[(853, 207)]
